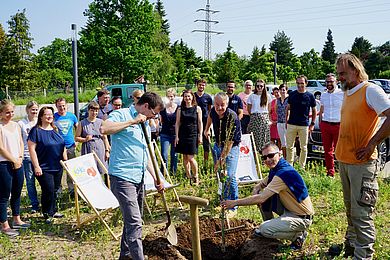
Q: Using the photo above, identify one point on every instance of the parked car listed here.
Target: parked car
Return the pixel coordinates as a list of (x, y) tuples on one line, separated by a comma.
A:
[(124, 91), (316, 87), (385, 84)]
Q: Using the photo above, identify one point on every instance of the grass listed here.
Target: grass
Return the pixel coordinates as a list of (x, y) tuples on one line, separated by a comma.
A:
[(60, 241)]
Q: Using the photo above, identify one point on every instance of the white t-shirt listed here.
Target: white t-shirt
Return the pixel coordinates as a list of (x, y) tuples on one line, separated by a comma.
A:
[(255, 100), (26, 126), (376, 97), (332, 105)]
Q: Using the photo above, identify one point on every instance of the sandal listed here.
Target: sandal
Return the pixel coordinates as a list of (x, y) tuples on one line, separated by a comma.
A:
[(10, 232)]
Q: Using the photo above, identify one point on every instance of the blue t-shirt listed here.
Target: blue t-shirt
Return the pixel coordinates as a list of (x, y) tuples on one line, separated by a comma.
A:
[(65, 126), (128, 156), (49, 149), (225, 124), (235, 103), (300, 104), (203, 102)]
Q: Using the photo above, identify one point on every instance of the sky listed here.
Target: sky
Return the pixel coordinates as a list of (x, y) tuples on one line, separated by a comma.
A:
[(245, 23)]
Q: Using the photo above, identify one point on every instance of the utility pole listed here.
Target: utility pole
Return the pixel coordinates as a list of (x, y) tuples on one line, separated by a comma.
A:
[(75, 71), (275, 63), (207, 29)]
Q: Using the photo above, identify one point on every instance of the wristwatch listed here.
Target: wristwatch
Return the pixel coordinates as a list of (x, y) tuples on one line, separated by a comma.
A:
[(312, 123)]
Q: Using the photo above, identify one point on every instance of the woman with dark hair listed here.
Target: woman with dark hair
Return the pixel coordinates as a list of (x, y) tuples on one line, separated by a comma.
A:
[(258, 106), (11, 170), (273, 115), (47, 148), (188, 130), (281, 105), (88, 133)]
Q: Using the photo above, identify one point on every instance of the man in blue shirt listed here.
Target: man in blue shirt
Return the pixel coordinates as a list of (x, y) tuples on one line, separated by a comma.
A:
[(227, 129), (128, 163), (300, 102), (235, 102), (65, 122), (205, 102)]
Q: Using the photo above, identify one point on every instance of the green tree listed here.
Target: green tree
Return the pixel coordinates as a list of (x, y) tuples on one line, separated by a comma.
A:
[(328, 52), (312, 65), (117, 40), (283, 47), (16, 53), (184, 57), (361, 48), (226, 65), (287, 73), (159, 7), (57, 55), (3, 39)]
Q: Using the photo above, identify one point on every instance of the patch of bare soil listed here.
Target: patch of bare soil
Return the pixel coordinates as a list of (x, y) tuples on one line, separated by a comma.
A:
[(239, 243)]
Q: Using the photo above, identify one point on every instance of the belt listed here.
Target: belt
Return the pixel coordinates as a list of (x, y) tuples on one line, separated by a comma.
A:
[(331, 123), (309, 217)]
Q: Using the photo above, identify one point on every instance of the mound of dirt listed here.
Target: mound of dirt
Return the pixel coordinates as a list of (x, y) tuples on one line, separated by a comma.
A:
[(239, 243)]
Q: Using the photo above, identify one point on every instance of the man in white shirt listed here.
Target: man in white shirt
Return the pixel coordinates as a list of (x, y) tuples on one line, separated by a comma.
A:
[(329, 115)]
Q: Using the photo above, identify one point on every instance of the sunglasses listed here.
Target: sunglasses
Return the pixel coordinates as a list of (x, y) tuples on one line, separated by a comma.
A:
[(137, 98), (260, 86), (269, 156)]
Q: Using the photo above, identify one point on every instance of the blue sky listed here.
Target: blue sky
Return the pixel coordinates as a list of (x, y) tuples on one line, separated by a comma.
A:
[(246, 23)]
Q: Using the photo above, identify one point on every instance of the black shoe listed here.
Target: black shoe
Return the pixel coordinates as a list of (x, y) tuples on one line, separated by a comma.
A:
[(335, 250), (298, 242), (348, 250)]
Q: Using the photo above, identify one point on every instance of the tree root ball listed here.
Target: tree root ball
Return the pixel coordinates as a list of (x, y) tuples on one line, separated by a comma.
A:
[(239, 243)]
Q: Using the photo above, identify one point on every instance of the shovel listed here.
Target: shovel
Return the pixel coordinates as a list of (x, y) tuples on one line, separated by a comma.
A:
[(170, 230)]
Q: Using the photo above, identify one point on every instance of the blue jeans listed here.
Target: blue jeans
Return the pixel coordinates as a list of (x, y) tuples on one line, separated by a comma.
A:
[(167, 141), (11, 183), (231, 186), (30, 183), (130, 197)]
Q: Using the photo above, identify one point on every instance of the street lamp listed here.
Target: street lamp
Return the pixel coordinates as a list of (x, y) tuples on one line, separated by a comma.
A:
[(75, 71)]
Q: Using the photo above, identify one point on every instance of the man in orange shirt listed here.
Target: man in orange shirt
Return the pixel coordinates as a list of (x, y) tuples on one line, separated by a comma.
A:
[(356, 151)]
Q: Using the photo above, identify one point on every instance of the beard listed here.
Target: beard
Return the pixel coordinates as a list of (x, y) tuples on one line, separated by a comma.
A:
[(343, 86)]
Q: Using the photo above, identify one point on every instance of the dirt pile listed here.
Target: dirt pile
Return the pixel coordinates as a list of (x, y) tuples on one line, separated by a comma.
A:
[(239, 243)]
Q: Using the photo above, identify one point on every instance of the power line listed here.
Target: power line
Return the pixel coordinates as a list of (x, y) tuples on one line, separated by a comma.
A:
[(207, 30)]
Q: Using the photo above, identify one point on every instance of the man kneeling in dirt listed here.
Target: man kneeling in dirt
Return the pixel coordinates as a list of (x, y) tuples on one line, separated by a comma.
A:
[(283, 192)]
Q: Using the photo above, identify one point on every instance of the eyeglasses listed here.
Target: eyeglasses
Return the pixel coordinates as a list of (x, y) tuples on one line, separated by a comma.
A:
[(117, 105), (151, 109), (269, 156), (260, 86)]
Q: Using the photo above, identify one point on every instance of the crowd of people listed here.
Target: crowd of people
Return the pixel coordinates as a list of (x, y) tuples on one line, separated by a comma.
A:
[(33, 148)]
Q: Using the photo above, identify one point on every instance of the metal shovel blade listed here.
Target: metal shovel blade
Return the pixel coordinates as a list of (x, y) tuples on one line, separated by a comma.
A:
[(171, 234)]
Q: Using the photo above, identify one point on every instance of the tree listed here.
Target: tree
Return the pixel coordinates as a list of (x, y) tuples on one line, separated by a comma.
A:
[(16, 53), (283, 47), (260, 65), (226, 65), (312, 65), (3, 39), (56, 55), (159, 7), (361, 48), (118, 38), (328, 52)]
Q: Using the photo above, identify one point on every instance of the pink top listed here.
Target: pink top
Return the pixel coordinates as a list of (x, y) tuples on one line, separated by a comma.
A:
[(244, 98), (11, 141)]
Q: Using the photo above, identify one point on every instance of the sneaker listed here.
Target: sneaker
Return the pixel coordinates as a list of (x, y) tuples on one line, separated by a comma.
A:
[(23, 225), (298, 242), (10, 232), (49, 221), (58, 215), (257, 233)]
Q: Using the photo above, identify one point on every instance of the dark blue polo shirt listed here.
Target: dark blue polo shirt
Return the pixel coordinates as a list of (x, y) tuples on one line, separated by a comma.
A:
[(203, 102), (235, 103), (220, 128), (300, 105)]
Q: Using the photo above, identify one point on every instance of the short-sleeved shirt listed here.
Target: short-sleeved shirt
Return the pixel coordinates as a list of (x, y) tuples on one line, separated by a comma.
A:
[(49, 148), (331, 103), (254, 100), (244, 98), (203, 102), (235, 103), (220, 126), (26, 126), (128, 158), (65, 126), (300, 105), (281, 110)]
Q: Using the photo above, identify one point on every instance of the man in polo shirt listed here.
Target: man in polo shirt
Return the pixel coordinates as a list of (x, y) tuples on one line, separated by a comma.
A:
[(128, 163), (205, 102), (356, 152), (285, 186), (300, 102), (329, 116), (235, 102)]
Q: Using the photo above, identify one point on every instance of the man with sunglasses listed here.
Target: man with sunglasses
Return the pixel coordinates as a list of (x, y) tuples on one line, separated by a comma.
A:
[(283, 192), (127, 167)]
